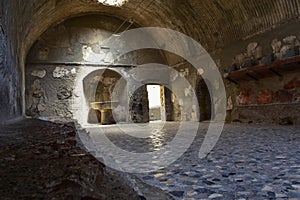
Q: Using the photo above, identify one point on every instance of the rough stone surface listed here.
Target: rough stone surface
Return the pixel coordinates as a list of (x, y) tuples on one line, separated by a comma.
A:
[(248, 162), (39, 73), (10, 74), (40, 160), (81, 42), (271, 43), (283, 96), (49, 97), (265, 101), (32, 18), (139, 106), (37, 99), (267, 113), (64, 92), (60, 72)]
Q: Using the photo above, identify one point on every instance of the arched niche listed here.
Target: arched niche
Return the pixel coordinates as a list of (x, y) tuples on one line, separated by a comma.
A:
[(105, 91)]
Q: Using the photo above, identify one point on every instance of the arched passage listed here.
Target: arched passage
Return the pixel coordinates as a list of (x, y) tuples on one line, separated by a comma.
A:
[(204, 100), (102, 96)]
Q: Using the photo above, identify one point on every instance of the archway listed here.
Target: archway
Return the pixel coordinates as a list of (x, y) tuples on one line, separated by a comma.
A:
[(99, 88), (156, 96), (153, 102), (204, 101)]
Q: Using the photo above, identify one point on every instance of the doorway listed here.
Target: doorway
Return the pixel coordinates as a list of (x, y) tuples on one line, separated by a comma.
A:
[(156, 99), (204, 100)]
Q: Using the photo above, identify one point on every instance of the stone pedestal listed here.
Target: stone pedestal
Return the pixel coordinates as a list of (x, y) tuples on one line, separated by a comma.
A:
[(94, 116), (107, 117), (105, 108)]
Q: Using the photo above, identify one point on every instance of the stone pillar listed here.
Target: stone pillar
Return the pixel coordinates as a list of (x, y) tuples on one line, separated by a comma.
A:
[(107, 117)]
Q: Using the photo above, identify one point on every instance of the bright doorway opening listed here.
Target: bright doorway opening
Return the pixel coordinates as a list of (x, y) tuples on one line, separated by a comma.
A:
[(157, 110)]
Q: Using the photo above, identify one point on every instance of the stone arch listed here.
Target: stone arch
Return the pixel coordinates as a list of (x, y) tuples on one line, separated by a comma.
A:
[(102, 96), (204, 100)]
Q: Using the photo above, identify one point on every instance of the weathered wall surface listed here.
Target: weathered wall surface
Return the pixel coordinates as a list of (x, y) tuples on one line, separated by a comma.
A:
[(49, 90), (10, 74), (269, 100), (186, 93), (210, 27), (68, 53), (54, 63)]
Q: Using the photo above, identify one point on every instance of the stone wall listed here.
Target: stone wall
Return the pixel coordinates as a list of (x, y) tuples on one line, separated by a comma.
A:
[(202, 109), (139, 106), (10, 75), (68, 53), (269, 100), (265, 101), (49, 90), (30, 18)]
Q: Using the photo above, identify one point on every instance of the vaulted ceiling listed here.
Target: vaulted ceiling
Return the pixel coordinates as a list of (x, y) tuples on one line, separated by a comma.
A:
[(214, 23)]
